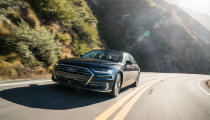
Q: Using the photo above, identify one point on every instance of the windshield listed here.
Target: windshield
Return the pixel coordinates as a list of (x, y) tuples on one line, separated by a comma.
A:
[(105, 55)]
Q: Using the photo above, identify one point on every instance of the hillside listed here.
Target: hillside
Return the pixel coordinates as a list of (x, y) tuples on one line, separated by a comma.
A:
[(34, 34), (201, 17), (162, 38)]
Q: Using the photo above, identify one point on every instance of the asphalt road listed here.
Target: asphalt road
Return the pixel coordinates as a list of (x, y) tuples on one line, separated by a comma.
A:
[(160, 96)]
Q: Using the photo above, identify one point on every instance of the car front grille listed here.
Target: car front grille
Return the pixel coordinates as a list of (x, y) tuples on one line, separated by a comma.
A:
[(73, 74), (71, 69), (70, 81)]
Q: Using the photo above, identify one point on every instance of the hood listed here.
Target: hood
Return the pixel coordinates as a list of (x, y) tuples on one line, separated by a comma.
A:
[(88, 62)]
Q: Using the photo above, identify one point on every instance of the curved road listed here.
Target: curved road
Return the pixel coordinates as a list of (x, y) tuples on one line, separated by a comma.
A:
[(160, 96)]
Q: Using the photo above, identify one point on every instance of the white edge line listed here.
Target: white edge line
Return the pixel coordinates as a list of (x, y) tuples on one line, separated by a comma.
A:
[(199, 85), (20, 83)]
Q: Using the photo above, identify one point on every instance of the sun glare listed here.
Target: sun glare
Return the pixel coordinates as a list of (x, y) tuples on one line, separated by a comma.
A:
[(198, 5)]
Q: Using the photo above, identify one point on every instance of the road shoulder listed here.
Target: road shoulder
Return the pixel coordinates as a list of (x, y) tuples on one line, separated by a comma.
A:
[(203, 86), (23, 81), (208, 84)]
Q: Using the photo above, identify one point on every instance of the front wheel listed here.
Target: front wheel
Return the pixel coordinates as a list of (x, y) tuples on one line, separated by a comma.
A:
[(116, 86)]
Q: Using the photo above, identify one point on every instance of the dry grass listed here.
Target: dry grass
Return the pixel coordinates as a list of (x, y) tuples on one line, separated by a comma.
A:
[(15, 14), (65, 52), (208, 83), (53, 27), (14, 69), (33, 76), (6, 69), (3, 29), (32, 16)]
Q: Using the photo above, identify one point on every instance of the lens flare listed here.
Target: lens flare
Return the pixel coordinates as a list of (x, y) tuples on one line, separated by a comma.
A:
[(147, 33)]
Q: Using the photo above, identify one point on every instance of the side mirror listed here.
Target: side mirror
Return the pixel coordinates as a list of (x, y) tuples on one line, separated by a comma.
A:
[(128, 63), (81, 55)]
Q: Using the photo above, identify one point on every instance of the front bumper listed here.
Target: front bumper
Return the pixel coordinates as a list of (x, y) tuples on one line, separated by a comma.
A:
[(98, 83)]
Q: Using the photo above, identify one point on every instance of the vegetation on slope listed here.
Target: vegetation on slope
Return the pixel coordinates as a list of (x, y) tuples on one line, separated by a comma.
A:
[(76, 18), (34, 34)]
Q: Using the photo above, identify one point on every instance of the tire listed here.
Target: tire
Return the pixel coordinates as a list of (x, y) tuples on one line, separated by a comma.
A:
[(136, 83), (116, 86)]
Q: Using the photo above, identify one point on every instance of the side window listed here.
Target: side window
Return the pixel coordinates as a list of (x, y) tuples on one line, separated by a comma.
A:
[(126, 58), (132, 59)]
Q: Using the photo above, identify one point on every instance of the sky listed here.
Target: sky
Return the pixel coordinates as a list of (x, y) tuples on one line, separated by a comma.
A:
[(202, 6)]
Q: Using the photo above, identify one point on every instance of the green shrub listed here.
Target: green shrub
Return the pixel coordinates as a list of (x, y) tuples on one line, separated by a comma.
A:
[(86, 32), (36, 44), (27, 55), (60, 10), (76, 17), (10, 5), (85, 39), (81, 48), (63, 38), (35, 31)]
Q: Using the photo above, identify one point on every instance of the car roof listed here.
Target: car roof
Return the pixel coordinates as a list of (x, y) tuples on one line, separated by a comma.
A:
[(109, 50)]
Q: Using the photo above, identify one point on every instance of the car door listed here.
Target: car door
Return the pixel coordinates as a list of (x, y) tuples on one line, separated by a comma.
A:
[(126, 70), (134, 69)]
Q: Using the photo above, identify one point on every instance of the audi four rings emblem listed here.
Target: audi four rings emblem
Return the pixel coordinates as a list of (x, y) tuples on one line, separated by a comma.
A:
[(70, 69)]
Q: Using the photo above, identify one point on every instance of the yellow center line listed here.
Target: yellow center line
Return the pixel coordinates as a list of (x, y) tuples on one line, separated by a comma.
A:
[(108, 112), (124, 111)]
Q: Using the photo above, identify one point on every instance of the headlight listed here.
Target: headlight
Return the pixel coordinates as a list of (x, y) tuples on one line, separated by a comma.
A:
[(103, 71)]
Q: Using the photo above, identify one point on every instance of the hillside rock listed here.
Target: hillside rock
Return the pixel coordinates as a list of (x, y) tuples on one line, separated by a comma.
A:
[(161, 37)]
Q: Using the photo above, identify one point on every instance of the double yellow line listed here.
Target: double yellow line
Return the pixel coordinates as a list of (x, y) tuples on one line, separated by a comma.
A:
[(124, 111)]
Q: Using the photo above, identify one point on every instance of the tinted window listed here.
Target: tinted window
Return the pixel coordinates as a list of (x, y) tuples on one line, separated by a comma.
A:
[(105, 55)]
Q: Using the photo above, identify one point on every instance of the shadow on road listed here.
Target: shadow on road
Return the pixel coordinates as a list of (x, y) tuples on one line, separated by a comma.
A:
[(52, 96)]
